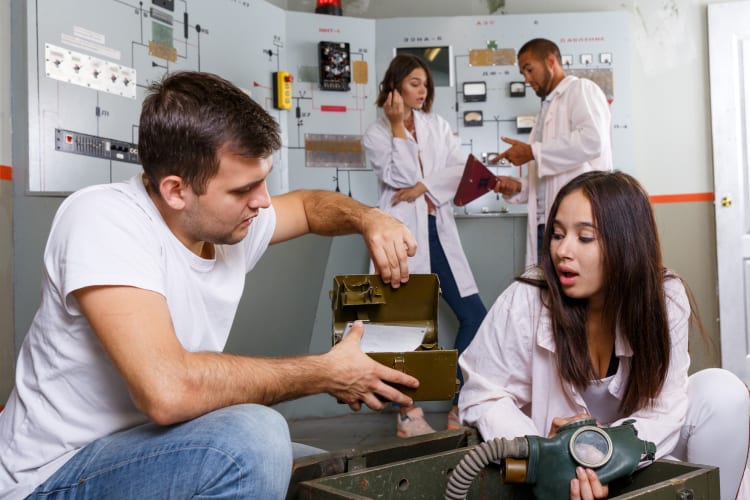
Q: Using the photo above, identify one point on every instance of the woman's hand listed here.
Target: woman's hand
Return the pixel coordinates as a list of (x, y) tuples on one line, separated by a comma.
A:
[(393, 107), (586, 486), (408, 194), (558, 422)]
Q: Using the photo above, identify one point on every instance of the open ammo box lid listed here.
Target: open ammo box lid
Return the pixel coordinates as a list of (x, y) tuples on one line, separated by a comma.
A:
[(414, 304)]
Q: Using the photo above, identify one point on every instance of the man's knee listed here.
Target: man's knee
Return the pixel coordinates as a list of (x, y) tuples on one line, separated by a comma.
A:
[(255, 426), (255, 444)]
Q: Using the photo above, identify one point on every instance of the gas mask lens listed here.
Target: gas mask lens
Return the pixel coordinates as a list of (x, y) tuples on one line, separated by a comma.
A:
[(591, 447)]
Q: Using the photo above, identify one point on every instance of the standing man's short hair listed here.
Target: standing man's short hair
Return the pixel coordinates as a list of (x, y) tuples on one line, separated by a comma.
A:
[(540, 48)]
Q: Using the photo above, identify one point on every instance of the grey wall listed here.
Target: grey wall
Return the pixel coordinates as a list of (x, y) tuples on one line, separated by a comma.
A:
[(7, 353)]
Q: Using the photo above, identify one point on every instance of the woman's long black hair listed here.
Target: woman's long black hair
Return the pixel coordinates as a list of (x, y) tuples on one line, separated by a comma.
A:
[(634, 296)]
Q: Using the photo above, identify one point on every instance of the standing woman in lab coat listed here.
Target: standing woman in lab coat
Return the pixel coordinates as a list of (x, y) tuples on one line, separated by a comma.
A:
[(418, 162)]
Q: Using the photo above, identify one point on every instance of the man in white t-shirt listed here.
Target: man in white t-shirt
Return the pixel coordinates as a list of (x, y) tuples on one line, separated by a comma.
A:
[(122, 389)]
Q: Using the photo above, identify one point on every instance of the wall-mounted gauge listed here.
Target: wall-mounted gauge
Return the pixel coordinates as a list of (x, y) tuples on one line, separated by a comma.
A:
[(524, 123), (517, 89), (475, 91), (473, 119)]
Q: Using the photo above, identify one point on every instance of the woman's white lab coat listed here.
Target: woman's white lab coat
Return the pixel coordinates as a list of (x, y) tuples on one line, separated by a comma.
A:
[(576, 138), (396, 163), (513, 385)]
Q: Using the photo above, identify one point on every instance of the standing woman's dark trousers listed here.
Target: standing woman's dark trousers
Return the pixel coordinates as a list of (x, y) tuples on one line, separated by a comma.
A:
[(469, 310)]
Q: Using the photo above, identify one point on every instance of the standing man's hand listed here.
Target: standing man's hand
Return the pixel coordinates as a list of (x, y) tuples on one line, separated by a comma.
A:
[(507, 186), (518, 153), (390, 244)]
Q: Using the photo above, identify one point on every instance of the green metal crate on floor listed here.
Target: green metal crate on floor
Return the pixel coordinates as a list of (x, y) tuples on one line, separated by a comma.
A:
[(367, 457), (426, 477)]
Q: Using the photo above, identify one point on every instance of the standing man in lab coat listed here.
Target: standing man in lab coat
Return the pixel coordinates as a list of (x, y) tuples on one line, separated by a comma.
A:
[(572, 135)]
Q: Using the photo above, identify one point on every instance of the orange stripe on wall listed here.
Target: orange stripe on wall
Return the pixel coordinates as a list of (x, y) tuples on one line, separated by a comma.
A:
[(681, 198), (6, 174)]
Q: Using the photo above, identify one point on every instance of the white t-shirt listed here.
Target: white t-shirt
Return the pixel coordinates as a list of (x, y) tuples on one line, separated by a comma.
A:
[(67, 392)]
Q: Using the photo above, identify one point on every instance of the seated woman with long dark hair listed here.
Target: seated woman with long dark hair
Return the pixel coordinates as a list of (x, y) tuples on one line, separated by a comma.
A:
[(600, 329)]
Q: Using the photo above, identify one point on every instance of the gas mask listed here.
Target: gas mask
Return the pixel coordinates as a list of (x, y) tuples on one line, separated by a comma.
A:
[(548, 464)]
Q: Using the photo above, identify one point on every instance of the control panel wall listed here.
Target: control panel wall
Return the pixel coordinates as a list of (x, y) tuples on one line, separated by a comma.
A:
[(91, 62)]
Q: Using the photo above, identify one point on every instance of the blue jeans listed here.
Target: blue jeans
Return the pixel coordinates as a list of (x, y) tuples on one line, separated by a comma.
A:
[(241, 451), (469, 310)]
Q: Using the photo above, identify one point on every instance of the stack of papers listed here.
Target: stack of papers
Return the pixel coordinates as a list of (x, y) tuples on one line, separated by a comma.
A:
[(380, 337)]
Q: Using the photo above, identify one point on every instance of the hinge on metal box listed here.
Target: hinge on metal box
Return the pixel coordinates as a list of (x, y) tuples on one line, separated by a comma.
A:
[(399, 363), (364, 293)]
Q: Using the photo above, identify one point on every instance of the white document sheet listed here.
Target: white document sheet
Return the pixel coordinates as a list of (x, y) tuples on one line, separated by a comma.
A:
[(380, 337)]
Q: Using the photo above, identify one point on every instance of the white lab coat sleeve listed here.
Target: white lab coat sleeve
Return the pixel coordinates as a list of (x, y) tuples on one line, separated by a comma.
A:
[(442, 180), (497, 368), (584, 111), (662, 423), (394, 161)]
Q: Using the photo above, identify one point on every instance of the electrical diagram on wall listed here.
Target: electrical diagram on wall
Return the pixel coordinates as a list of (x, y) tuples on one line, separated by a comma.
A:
[(316, 74), (339, 70), (96, 59), (333, 102)]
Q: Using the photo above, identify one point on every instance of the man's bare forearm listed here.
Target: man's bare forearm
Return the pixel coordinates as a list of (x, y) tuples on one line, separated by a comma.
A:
[(333, 214), (207, 381)]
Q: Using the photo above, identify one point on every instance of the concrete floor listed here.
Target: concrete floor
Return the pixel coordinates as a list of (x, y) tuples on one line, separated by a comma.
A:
[(354, 430)]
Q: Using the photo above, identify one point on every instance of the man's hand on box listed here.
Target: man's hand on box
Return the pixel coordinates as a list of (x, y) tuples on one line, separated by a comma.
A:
[(356, 378), (390, 244)]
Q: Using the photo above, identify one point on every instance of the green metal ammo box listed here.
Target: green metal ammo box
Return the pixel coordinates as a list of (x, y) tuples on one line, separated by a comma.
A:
[(311, 467), (414, 304), (427, 477)]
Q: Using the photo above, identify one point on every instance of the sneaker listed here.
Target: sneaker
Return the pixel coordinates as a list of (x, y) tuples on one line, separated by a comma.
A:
[(412, 424), (453, 421)]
